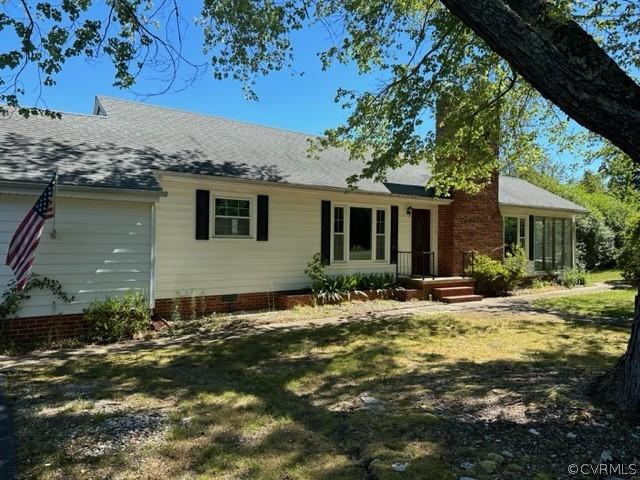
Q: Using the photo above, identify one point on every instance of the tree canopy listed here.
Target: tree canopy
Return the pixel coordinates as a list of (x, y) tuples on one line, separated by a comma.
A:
[(485, 60)]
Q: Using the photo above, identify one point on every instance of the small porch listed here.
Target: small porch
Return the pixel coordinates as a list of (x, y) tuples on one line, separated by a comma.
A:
[(416, 270)]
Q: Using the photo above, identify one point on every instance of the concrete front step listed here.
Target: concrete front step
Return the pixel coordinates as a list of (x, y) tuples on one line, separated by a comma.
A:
[(462, 299), (440, 292)]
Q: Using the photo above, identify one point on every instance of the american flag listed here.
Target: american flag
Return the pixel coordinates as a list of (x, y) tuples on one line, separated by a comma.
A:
[(22, 249)]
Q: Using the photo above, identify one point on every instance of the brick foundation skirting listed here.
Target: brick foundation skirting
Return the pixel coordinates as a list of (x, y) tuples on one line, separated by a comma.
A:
[(58, 327), (42, 329)]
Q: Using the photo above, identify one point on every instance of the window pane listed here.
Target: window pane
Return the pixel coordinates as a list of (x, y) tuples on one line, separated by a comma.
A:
[(548, 244), (510, 233), (360, 234), (558, 243), (538, 234), (338, 220), (232, 226), (338, 247), (568, 244), (523, 239), (380, 247), (221, 206), (380, 222)]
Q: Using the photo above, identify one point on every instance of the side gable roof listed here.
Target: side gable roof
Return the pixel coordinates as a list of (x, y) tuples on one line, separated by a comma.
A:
[(124, 142)]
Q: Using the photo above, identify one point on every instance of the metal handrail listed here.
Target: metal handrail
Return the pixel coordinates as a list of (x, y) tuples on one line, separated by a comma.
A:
[(410, 262)]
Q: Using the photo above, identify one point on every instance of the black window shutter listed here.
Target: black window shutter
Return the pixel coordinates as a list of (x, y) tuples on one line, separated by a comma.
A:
[(202, 214), (531, 237), (325, 232), (263, 218), (393, 242)]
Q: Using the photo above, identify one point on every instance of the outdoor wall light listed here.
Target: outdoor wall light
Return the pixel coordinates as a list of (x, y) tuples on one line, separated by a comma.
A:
[(409, 210)]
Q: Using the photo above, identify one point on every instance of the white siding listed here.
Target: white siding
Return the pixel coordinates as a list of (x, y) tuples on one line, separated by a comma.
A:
[(102, 248), (223, 265)]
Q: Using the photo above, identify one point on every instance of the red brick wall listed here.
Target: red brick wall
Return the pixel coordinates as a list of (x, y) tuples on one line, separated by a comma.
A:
[(204, 305), (471, 222), (46, 328)]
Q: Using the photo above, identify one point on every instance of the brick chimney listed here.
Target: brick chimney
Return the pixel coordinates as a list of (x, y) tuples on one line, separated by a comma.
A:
[(471, 222)]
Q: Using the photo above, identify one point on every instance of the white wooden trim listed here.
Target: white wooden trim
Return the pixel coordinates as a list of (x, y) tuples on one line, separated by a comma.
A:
[(347, 233), (195, 178), (252, 199)]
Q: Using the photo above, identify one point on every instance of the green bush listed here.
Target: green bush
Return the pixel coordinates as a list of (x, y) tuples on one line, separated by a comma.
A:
[(596, 243), (629, 258), (494, 278), (574, 277), (315, 272), (116, 318), (337, 288)]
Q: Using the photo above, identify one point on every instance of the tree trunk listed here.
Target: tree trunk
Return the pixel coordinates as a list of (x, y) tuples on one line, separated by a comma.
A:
[(562, 61), (566, 65), (621, 386)]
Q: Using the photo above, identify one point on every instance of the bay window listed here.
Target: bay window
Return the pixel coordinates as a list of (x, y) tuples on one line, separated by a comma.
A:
[(359, 234)]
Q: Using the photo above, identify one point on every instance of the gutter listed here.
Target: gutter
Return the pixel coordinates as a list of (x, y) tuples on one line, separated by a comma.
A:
[(76, 191), (572, 210)]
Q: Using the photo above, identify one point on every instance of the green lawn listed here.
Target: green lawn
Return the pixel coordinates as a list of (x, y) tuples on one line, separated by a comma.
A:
[(617, 304), (287, 405), (601, 276)]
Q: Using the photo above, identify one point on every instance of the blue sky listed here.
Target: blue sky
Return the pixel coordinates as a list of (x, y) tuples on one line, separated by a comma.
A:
[(286, 99)]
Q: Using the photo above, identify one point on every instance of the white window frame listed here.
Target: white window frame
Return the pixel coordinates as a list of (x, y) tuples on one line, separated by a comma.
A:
[(345, 254), (519, 234), (347, 232), (252, 216)]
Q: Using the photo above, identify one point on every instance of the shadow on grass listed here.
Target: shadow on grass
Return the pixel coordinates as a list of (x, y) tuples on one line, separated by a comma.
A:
[(288, 402)]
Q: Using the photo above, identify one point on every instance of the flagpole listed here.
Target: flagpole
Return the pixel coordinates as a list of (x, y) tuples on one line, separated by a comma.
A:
[(55, 201)]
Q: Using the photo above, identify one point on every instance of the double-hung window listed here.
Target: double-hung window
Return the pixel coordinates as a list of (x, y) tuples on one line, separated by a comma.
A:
[(338, 234), (359, 233), (232, 217), (380, 235)]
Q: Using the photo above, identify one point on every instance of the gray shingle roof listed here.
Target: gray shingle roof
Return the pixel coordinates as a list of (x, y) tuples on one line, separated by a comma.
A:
[(123, 147), (520, 193)]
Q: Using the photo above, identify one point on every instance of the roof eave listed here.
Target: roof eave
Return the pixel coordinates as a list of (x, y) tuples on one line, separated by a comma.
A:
[(581, 211), (167, 173), (31, 188)]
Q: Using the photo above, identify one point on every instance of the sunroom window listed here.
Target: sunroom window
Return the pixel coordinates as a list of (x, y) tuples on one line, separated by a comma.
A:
[(232, 217), (553, 243), (514, 233)]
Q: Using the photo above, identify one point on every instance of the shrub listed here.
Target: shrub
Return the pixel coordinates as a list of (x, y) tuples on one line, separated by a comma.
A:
[(335, 289), (573, 278), (315, 272), (596, 243), (116, 318), (493, 278), (629, 258)]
